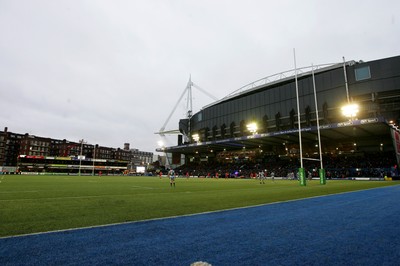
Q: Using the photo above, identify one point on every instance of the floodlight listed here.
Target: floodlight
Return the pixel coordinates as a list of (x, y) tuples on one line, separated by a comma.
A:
[(196, 137), (350, 110), (252, 127)]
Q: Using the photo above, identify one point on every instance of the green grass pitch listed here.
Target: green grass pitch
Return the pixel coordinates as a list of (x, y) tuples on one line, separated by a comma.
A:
[(30, 204)]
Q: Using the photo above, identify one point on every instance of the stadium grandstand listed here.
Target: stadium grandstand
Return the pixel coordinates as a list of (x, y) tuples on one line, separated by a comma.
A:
[(343, 117)]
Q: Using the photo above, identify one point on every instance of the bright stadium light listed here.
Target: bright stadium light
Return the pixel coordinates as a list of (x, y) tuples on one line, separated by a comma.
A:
[(350, 110), (161, 144), (196, 137), (252, 127)]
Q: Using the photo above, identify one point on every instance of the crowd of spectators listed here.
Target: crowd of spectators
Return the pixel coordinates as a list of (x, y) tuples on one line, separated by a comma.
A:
[(339, 166)]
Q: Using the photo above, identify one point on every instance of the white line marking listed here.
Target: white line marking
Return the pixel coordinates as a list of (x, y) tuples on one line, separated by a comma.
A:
[(143, 187), (27, 191)]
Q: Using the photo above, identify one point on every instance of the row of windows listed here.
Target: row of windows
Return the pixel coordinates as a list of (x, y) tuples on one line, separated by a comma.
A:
[(38, 143), (10, 141), (330, 87), (27, 161), (144, 159), (264, 125), (42, 149), (255, 114), (247, 105)]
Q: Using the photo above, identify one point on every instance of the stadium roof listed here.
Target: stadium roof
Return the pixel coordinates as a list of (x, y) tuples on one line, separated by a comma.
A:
[(280, 78)]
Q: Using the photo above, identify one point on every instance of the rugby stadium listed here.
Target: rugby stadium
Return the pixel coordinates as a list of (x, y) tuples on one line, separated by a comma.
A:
[(351, 108)]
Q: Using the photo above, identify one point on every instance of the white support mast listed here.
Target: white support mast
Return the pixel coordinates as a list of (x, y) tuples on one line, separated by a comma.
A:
[(189, 107), (188, 89)]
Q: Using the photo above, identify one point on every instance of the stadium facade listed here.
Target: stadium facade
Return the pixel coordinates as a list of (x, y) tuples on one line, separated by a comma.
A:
[(261, 118)]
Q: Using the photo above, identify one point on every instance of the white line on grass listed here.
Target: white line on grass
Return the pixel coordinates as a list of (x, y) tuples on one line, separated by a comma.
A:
[(143, 187), (76, 197), (72, 197), (27, 191)]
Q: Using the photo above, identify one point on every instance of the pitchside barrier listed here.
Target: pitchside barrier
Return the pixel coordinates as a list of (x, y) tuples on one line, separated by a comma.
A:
[(6, 170), (44, 173), (359, 178)]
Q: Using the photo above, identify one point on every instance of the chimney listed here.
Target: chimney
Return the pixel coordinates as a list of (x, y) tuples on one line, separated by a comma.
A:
[(126, 146)]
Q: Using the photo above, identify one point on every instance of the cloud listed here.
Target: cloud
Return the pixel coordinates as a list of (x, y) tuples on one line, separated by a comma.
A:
[(111, 71)]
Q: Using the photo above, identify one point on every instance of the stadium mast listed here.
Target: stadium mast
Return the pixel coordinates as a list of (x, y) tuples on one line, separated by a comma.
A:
[(189, 106)]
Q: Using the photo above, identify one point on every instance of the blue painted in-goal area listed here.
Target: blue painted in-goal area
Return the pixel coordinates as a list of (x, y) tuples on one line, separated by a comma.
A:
[(357, 228)]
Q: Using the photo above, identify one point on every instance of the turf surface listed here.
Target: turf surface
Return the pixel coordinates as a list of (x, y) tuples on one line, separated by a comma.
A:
[(357, 228), (30, 204)]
